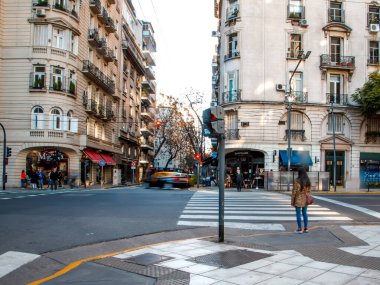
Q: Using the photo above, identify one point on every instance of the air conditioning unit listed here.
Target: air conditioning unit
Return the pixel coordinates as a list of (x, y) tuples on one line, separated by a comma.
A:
[(281, 87), (215, 34), (374, 28), (40, 12), (303, 23)]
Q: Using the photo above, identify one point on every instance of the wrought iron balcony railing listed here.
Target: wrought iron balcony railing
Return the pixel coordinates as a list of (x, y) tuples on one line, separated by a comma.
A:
[(95, 6), (337, 98), (93, 37), (231, 55), (232, 13), (90, 105), (336, 15), (37, 81), (373, 60), (94, 73), (232, 134), (109, 25), (299, 97), (297, 135), (103, 16), (231, 96), (337, 61)]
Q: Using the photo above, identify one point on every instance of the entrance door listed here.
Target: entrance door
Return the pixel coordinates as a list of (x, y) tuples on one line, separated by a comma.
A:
[(336, 49), (340, 166), (335, 89)]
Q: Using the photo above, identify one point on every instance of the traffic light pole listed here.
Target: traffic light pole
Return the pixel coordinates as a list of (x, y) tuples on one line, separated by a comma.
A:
[(4, 153), (221, 142)]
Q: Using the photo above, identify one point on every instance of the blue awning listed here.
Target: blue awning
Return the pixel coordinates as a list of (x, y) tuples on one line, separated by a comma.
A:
[(299, 158)]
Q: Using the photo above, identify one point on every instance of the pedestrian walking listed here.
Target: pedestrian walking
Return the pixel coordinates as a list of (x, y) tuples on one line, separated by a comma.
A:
[(33, 180), (40, 179), (23, 179), (54, 176), (239, 180), (301, 189)]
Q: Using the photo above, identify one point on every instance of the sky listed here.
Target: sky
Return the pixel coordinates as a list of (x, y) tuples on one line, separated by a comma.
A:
[(185, 46)]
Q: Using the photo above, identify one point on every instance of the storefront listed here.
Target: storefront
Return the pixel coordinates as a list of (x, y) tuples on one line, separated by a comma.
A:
[(46, 159), (96, 166), (299, 158), (369, 169)]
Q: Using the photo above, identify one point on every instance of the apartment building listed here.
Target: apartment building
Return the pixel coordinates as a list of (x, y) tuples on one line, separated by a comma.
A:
[(62, 89), (258, 54)]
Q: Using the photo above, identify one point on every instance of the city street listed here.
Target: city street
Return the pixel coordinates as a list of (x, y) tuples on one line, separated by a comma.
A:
[(36, 223)]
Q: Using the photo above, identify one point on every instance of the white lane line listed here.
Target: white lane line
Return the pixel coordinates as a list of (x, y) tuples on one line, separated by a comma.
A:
[(323, 213), (237, 205), (283, 208), (258, 218), (20, 197), (5, 198), (357, 208), (12, 260), (247, 226)]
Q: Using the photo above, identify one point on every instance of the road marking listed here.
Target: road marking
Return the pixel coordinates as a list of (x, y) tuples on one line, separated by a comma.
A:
[(357, 208), (280, 208), (5, 198), (12, 260), (264, 218), (263, 227), (325, 213)]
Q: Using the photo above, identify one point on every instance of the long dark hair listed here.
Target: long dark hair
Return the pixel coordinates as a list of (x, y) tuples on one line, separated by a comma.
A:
[(303, 178)]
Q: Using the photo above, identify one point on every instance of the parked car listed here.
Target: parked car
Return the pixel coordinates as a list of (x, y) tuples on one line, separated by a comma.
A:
[(167, 179)]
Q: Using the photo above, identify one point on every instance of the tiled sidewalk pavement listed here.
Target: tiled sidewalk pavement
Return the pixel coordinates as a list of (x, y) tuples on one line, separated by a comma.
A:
[(199, 258)]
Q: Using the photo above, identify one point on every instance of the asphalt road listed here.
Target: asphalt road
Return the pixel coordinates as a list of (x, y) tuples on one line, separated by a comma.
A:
[(41, 224)]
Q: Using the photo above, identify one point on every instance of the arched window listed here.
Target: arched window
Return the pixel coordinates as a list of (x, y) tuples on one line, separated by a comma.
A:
[(55, 119), (37, 121)]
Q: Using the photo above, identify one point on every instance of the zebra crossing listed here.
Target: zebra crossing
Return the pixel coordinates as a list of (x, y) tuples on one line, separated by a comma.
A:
[(28, 194), (252, 210)]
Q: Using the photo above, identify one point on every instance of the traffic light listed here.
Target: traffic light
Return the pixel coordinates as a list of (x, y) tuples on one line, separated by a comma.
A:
[(197, 156), (213, 121), (9, 151), (158, 124)]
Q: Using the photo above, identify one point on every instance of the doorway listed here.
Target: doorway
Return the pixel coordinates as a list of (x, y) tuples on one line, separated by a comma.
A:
[(340, 166)]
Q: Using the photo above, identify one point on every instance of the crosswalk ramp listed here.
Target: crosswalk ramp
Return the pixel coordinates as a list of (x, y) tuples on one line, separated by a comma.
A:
[(253, 210)]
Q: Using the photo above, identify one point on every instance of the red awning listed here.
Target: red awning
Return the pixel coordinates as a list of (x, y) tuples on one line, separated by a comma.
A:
[(108, 159), (93, 155)]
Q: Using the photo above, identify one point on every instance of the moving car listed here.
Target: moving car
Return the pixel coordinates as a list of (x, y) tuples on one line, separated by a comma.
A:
[(167, 179)]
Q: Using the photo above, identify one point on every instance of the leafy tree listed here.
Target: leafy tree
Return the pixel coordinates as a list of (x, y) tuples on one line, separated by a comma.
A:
[(368, 96)]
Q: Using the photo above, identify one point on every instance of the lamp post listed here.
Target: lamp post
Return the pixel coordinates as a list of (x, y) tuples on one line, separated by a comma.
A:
[(300, 58)]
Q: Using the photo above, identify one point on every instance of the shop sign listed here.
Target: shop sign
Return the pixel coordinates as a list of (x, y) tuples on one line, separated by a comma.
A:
[(241, 153), (51, 155)]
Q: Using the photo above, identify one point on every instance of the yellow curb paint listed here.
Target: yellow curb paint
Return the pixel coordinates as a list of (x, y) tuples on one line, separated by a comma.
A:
[(77, 263)]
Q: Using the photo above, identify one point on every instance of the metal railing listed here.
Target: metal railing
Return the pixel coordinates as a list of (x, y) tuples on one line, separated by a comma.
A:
[(232, 134), (336, 61), (94, 73), (231, 55), (232, 12), (336, 15), (299, 97), (95, 6), (373, 60), (91, 105), (93, 36), (296, 135), (277, 180), (231, 96), (337, 98)]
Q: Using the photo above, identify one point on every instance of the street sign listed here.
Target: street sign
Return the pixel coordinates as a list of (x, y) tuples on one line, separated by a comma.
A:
[(102, 163), (133, 163), (133, 167), (214, 155)]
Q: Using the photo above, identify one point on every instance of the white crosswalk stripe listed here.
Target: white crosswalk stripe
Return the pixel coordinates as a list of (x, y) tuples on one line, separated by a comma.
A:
[(12, 260), (253, 210)]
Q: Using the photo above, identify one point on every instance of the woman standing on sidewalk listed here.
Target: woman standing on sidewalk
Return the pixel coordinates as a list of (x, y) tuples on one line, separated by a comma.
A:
[(301, 190)]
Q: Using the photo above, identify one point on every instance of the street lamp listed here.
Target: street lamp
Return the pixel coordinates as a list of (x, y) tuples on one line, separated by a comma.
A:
[(301, 56)]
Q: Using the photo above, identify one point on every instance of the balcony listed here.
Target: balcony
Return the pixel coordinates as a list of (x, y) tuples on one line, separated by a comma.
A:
[(336, 15), (102, 46), (149, 73), (57, 83), (94, 73), (60, 5), (135, 55), (145, 144), (231, 96), (37, 81), (145, 99), (145, 131), (109, 25), (108, 114), (337, 62), (95, 6), (151, 61), (373, 60), (41, 3), (372, 18), (299, 97), (109, 55), (232, 134), (149, 86), (100, 111), (336, 98), (103, 16), (147, 116), (232, 55), (232, 13), (90, 105), (296, 12), (296, 135), (93, 37)]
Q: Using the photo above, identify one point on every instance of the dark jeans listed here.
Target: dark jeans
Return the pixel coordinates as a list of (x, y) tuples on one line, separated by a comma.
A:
[(238, 185), (53, 183), (304, 215)]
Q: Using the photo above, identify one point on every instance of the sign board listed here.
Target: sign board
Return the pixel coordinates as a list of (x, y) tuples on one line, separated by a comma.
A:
[(214, 155), (102, 163), (133, 163), (133, 167)]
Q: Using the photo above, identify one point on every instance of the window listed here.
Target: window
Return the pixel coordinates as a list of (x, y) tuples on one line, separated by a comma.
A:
[(57, 81), (232, 46), (233, 94), (40, 35), (58, 38), (297, 87), (38, 78), (55, 119), (295, 9), (72, 82), (296, 121), (336, 12), (295, 45), (336, 49), (336, 89), (73, 43), (373, 15), (37, 121), (60, 4), (232, 10), (338, 122), (373, 52), (373, 124)]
